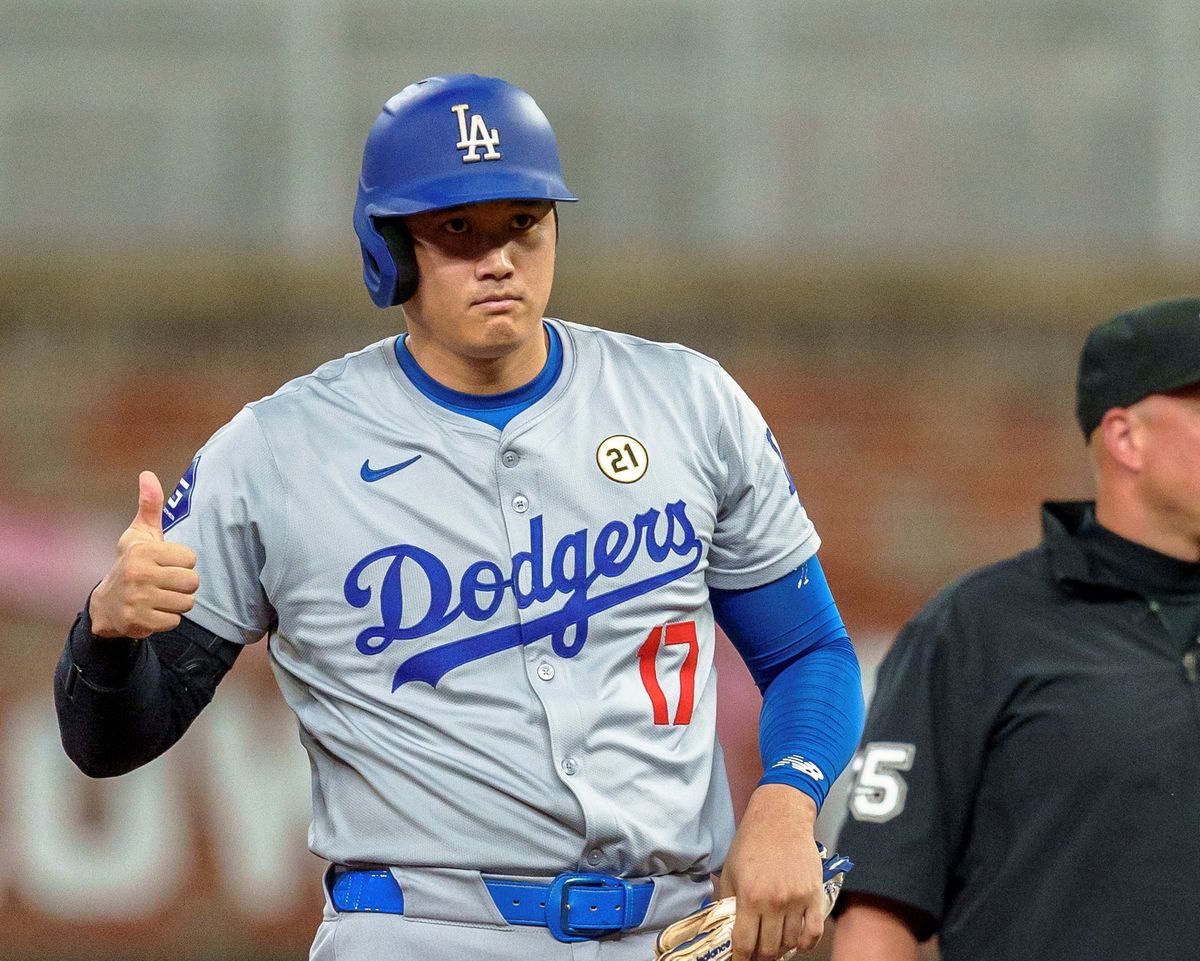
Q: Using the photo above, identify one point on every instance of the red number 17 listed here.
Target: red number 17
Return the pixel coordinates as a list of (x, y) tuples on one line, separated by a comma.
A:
[(683, 633)]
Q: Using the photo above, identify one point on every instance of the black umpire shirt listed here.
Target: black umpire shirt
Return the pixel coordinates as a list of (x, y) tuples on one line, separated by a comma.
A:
[(1029, 778)]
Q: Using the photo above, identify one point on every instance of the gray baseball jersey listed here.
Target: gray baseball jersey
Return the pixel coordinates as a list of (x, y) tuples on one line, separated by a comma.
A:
[(499, 644)]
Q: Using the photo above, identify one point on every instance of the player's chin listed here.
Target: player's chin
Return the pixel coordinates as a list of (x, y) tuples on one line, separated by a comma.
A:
[(513, 320)]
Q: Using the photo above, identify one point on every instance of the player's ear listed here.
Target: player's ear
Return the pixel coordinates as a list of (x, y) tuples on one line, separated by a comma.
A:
[(1120, 433), (400, 246)]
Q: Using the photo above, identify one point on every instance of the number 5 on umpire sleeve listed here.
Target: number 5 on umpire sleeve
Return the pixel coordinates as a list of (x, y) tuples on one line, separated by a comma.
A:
[(878, 791)]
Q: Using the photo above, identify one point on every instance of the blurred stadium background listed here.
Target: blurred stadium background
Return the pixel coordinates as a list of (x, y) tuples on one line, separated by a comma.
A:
[(892, 220)]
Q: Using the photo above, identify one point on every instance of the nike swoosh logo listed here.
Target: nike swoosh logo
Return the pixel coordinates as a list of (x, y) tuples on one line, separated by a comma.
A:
[(370, 475)]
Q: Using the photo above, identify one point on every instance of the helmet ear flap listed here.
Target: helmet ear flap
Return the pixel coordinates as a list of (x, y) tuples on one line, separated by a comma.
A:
[(400, 246)]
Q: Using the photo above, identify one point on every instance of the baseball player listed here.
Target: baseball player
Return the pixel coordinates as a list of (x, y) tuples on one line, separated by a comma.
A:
[(489, 555)]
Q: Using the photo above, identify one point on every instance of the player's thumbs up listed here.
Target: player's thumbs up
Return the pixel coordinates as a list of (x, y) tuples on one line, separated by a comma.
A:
[(150, 505), (152, 581)]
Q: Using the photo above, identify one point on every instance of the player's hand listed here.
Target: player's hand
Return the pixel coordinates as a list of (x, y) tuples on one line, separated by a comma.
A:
[(152, 582), (774, 870)]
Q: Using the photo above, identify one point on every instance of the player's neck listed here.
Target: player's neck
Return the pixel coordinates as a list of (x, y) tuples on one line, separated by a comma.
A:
[(1135, 522), (478, 375)]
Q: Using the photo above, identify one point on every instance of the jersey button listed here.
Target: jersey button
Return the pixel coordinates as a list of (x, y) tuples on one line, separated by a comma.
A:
[(569, 765), (510, 458), (520, 503), (545, 671), (594, 857)]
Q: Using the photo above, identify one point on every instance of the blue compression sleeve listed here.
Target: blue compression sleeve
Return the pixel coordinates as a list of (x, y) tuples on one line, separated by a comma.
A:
[(792, 638)]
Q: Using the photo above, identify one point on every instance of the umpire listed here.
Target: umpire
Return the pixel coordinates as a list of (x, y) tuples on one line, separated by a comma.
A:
[(1028, 785)]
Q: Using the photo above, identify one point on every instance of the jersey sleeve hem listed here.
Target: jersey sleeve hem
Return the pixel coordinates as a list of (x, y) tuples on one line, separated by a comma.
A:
[(747, 578), (925, 922), (225, 629)]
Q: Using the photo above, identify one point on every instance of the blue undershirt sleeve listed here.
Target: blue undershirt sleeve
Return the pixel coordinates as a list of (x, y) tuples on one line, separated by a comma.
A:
[(792, 638)]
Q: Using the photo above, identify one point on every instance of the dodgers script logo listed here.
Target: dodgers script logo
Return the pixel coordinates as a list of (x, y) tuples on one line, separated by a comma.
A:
[(569, 569)]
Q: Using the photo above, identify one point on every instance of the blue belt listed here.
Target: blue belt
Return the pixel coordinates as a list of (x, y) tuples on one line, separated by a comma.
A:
[(575, 907)]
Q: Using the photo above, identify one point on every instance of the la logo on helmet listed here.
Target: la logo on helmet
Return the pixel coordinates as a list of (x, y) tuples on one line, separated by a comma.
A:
[(480, 136)]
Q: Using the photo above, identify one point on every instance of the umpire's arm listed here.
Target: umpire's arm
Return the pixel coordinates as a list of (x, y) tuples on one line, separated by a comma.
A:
[(872, 928)]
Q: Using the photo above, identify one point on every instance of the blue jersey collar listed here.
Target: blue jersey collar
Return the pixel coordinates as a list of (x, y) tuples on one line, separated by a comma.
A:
[(494, 409)]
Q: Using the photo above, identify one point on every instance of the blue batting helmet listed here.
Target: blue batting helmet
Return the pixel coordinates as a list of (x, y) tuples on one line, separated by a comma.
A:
[(445, 141)]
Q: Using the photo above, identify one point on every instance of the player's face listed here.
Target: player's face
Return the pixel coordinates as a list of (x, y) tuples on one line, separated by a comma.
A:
[(485, 274), (1171, 460)]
